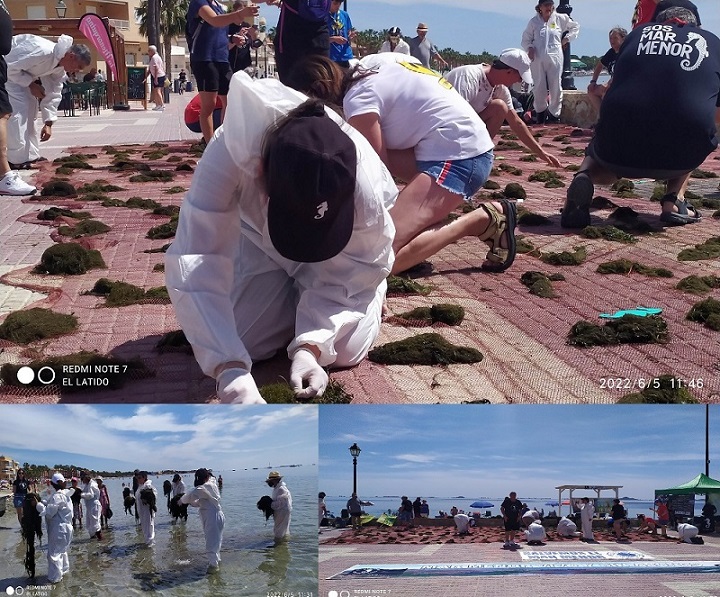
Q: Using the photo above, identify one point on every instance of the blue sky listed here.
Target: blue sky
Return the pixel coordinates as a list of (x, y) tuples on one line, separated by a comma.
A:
[(119, 437), (477, 25), (480, 451)]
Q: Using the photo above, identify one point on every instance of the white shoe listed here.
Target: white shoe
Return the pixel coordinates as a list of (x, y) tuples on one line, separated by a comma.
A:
[(13, 184), (158, 108)]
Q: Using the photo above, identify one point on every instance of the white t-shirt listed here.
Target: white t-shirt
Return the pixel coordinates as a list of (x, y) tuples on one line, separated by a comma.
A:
[(419, 109), (401, 47), (471, 83)]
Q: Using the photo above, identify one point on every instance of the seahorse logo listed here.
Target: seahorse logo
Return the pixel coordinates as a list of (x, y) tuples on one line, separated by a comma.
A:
[(701, 45), (322, 208)]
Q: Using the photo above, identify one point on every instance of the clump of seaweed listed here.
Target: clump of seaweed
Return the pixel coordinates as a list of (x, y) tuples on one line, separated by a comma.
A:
[(659, 191), (663, 390), (706, 312), (700, 201), (528, 218), (140, 203), (600, 202), (577, 257), (424, 349), (282, 393), (175, 190), (99, 187), (174, 341), (121, 294), (184, 167), (166, 210), (510, 169), (710, 249), (153, 176), (560, 138), (629, 329), (540, 284), (23, 327), (544, 176), (53, 213), (167, 230), (523, 245), (121, 163), (69, 258), (627, 220), (77, 382), (442, 313), (502, 144), (401, 285), (574, 151), (58, 188), (529, 157), (491, 185), (514, 190), (77, 161), (162, 249), (155, 155), (698, 284), (624, 187), (608, 233), (625, 266), (84, 228), (698, 173), (158, 267)]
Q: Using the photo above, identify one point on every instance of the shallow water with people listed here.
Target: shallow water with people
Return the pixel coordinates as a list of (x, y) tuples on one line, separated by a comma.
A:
[(121, 564)]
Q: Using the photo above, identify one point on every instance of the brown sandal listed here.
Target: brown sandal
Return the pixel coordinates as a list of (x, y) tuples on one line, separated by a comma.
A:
[(500, 258)]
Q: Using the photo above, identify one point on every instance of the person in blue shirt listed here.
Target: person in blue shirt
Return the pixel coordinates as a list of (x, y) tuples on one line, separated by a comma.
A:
[(341, 33)]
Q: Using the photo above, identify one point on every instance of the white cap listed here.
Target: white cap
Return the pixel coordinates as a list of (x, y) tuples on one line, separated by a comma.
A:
[(58, 478), (519, 60)]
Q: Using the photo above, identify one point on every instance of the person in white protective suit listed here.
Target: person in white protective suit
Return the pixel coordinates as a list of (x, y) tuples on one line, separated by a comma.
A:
[(31, 58), (58, 512), (543, 40), (686, 532), (535, 533), (90, 494), (587, 512), (462, 523), (566, 527), (284, 241), (206, 496), (146, 501), (281, 505)]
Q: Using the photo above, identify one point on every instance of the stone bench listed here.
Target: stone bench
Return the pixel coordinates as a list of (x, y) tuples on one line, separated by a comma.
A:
[(577, 110)]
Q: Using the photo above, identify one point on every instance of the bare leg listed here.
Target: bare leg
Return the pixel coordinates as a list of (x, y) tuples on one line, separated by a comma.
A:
[(494, 115), (207, 106), (4, 165), (401, 163)]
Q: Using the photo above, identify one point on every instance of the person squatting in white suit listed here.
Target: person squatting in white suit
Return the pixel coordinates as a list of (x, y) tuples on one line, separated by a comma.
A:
[(58, 511), (146, 508), (535, 533), (281, 505), (284, 241), (91, 496), (543, 41), (686, 532), (31, 58), (206, 496)]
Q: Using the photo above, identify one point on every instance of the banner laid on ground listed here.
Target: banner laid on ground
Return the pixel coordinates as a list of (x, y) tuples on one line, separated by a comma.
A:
[(95, 29), (507, 568), (583, 555)]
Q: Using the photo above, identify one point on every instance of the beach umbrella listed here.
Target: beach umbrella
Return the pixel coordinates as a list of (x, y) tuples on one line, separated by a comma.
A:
[(482, 504), (577, 64)]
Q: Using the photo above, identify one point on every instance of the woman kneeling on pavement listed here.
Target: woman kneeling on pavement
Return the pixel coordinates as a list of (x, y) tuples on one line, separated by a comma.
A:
[(284, 242)]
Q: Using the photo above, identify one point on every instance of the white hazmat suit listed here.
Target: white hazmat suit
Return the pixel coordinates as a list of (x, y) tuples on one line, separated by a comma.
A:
[(236, 298), (206, 497), (587, 512), (91, 498), (32, 57), (58, 511), (535, 532), (686, 532), (566, 527), (282, 507), (147, 515), (462, 523), (547, 65)]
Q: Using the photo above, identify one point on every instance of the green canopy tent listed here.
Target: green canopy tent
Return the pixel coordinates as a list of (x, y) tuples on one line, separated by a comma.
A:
[(702, 484), (681, 498)]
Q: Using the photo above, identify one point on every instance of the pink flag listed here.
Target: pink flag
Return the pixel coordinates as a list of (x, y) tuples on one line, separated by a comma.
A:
[(95, 29)]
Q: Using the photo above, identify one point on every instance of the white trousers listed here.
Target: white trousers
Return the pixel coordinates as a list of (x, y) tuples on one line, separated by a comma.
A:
[(265, 306), (23, 141), (59, 539), (547, 72), (213, 522), (147, 524), (92, 516), (281, 526), (587, 529)]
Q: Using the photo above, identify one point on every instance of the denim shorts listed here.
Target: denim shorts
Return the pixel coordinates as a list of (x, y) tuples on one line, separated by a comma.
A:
[(464, 177)]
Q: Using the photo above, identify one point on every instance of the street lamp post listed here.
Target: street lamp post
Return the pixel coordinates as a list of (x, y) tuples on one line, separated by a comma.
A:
[(60, 9), (355, 452), (567, 81)]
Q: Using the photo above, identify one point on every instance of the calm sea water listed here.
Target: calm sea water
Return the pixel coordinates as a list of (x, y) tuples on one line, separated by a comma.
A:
[(121, 565), (382, 504)]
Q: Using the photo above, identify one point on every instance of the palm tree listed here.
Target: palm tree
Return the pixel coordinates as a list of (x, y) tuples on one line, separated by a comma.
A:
[(172, 24)]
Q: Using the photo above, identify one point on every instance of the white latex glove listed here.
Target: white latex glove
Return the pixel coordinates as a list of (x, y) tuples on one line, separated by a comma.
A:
[(305, 368), (237, 386)]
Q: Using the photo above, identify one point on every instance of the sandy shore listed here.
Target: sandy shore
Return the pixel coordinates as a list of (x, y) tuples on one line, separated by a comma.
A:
[(378, 534)]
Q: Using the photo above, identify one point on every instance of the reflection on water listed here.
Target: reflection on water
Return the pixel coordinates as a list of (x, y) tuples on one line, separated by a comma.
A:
[(121, 564)]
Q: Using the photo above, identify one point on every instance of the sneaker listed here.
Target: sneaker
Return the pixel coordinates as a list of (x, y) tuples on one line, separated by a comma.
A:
[(576, 213), (550, 119), (13, 184), (158, 108)]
